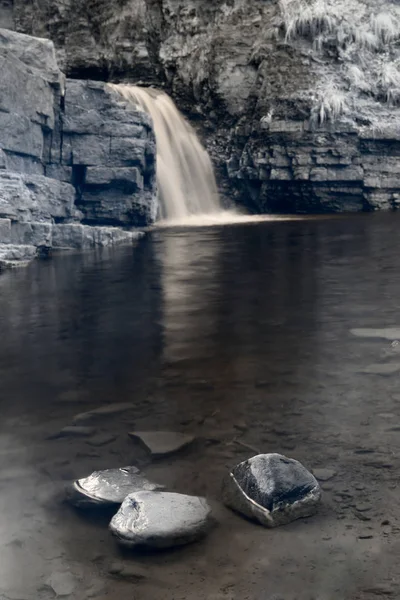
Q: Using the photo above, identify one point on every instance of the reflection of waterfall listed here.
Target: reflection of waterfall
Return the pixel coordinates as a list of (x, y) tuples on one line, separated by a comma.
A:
[(189, 280), (185, 175)]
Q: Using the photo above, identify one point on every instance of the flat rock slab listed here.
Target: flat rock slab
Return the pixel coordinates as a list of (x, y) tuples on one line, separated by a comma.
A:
[(389, 333), (109, 487), (271, 489), (161, 520), (161, 443), (102, 412)]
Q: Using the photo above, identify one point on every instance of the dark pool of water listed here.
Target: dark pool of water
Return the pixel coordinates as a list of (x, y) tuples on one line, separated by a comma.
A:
[(205, 328)]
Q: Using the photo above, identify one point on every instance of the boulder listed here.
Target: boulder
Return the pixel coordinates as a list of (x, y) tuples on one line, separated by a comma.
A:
[(271, 489), (109, 487), (161, 520)]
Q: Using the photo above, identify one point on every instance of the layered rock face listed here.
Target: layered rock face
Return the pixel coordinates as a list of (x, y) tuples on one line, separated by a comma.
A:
[(297, 101), (72, 154)]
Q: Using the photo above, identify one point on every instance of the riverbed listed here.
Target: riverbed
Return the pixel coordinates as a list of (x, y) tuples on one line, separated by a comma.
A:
[(241, 336)]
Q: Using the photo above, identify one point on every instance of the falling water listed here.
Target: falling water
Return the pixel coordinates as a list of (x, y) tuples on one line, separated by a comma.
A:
[(185, 175)]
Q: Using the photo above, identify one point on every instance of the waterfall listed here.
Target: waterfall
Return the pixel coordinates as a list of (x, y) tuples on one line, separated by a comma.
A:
[(185, 176)]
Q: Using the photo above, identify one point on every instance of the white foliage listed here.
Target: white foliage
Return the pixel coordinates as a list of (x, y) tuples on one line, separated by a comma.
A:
[(332, 103), (307, 20), (390, 75), (386, 27), (358, 78), (363, 39), (389, 82)]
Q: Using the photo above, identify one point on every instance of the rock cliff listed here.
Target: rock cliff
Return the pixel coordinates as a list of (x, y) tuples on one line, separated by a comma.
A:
[(72, 155), (297, 99)]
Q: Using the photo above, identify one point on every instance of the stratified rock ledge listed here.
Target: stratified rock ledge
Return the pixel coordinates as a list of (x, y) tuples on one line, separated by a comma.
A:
[(77, 165)]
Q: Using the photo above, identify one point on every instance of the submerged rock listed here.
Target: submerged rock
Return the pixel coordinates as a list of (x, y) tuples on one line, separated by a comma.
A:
[(128, 571), (161, 520), (162, 443), (381, 369), (73, 431), (62, 583), (390, 333), (109, 487), (102, 439), (103, 411), (271, 489), (324, 474)]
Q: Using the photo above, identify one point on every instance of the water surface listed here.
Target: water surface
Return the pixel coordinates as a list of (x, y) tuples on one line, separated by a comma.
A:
[(240, 335)]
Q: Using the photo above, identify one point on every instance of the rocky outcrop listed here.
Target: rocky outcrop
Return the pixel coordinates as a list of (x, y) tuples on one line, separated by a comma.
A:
[(298, 102), (108, 153), (76, 162)]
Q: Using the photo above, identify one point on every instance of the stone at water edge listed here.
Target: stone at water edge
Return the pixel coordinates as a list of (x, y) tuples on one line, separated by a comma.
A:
[(161, 520), (271, 489), (109, 487), (162, 443), (13, 255)]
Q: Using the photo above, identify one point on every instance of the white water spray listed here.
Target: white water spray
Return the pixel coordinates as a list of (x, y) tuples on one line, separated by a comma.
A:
[(185, 175)]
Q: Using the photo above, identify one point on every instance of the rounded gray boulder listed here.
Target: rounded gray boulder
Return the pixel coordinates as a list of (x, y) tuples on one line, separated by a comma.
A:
[(271, 489), (161, 520)]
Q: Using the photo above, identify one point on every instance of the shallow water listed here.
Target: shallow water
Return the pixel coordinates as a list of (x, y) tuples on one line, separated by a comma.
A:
[(239, 334)]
